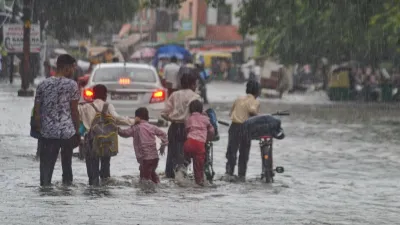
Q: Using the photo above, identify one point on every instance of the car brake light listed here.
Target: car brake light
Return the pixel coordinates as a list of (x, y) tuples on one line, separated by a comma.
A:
[(124, 81), (158, 96), (88, 95)]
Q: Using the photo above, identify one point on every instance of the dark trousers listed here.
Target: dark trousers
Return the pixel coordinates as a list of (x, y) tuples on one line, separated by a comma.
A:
[(39, 143), (48, 158), (148, 170), (237, 141), (195, 150), (93, 170), (176, 139)]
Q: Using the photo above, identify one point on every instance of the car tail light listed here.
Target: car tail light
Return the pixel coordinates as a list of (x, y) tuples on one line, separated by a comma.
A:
[(158, 96), (124, 81), (88, 95)]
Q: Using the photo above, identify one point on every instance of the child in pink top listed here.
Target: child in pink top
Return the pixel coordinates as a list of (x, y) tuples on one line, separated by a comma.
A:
[(144, 142), (199, 130)]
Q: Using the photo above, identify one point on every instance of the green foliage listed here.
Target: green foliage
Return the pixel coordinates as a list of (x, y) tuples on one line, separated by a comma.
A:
[(175, 3), (68, 18), (73, 17), (306, 30)]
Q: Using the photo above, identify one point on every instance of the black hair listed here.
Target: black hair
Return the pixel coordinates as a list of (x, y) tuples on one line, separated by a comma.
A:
[(142, 113), (174, 59), (253, 88), (189, 60), (64, 61), (189, 77), (196, 106), (100, 92), (115, 59)]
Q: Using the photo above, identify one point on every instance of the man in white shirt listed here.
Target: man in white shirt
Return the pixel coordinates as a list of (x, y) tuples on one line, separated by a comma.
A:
[(177, 111), (171, 75)]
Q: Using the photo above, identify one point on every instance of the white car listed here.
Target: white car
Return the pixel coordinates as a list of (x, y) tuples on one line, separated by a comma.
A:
[(129, 86)]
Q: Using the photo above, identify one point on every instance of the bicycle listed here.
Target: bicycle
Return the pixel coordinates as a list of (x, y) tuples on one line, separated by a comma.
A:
[(208, 165), (266, 150)]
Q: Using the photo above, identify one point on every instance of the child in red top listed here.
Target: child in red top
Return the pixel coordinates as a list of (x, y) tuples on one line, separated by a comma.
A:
[(199, 130)]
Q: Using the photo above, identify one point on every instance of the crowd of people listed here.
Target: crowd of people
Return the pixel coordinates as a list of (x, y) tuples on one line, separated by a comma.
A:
[(369, 79), (59, 119)]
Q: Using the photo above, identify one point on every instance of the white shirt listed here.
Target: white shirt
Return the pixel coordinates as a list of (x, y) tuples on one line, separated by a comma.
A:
[(177, 106), (171, 74), (87, 113)]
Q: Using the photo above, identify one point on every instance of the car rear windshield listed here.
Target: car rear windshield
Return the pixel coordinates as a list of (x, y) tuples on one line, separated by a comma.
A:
[(115, 73)]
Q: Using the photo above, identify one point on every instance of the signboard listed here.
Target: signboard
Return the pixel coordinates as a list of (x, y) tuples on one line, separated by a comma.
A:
[(14, 38), (166, 37), (185, 30)]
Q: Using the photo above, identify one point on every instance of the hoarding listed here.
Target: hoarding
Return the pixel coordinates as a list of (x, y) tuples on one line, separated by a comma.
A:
[(14, 38)]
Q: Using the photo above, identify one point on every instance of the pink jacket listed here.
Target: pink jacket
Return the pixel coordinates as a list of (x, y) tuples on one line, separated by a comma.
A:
[(144, 139), (198, 127)]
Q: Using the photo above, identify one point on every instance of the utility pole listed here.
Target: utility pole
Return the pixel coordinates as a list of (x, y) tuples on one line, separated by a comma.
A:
[(25, 78), (140, 26), (12, 55)]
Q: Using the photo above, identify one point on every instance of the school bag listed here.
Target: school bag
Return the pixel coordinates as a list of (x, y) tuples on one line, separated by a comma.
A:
[(214, 122), (263, 125), (103, 134)]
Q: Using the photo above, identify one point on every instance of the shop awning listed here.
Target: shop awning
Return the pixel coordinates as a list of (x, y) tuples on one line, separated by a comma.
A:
[(131, 40)]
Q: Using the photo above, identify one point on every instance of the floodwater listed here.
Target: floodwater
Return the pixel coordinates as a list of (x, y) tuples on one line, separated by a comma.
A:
[(342, 164)]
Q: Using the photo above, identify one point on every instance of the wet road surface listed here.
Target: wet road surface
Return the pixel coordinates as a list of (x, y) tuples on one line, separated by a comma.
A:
[(342, 164)]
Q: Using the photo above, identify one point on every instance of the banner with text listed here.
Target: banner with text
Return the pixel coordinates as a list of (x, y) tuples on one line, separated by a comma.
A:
[(14, 38)]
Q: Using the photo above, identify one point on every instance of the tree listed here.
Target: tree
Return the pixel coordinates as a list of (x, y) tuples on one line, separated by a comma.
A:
[(67, 19), (302, 31), (175, 3)]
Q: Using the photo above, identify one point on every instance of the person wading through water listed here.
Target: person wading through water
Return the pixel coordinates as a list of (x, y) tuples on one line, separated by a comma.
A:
[(171, 75), (243, 108), (177, 111), (87, 114), (57, 117)]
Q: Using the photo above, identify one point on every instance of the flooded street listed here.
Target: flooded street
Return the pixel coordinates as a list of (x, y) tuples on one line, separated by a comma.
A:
[(342, 164)]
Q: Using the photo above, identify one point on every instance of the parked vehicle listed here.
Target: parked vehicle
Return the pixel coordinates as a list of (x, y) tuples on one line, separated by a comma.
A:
[(342, 87), (129, 85)]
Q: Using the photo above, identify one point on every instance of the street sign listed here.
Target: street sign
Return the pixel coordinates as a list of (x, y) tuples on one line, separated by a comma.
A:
[(14, 38)]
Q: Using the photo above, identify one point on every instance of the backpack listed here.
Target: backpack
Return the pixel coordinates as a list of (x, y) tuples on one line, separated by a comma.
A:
[(214, 122), (103, 134)]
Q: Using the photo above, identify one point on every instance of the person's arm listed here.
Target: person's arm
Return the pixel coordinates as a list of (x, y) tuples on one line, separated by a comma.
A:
[(169, 107), (126, 133), (121, 120), (162, 135), (254, 108), (37, 107), (233, 108), (74, 101), (188, 124), (166, 73)]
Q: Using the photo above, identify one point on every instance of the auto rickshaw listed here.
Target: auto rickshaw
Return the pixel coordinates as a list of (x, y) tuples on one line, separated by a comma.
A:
[(341, 87), (212, 59), (339, 84)]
